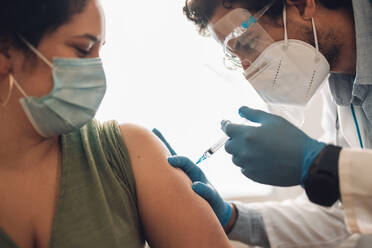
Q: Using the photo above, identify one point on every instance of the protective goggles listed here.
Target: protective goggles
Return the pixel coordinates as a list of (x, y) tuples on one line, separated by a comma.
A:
[(242, 37)]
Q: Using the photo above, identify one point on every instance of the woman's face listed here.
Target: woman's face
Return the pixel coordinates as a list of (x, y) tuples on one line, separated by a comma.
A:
[(82, 37)]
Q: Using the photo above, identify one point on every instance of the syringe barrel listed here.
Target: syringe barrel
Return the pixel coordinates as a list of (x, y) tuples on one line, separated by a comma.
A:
[(221, 142)]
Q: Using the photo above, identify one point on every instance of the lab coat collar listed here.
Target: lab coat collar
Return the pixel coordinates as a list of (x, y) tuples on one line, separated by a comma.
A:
[(363, 33)]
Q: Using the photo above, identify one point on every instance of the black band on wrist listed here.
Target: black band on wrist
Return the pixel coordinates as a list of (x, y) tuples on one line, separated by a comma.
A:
[(322, 185)]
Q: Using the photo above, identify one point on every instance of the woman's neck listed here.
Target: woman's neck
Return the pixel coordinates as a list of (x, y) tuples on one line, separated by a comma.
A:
[(19, 142)]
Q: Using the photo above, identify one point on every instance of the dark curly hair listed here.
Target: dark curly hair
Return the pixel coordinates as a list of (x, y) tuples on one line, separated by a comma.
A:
[(32, 19), (201, 11)]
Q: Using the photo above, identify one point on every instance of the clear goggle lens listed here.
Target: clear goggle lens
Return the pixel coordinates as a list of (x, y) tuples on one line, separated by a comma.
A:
[(242, 37)]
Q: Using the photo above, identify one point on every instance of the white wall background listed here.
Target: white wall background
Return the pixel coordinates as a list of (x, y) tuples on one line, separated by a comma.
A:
[(162, 74)]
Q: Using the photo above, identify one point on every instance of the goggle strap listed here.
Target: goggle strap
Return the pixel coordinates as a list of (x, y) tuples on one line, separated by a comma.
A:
[(260, 13), (41, 56)]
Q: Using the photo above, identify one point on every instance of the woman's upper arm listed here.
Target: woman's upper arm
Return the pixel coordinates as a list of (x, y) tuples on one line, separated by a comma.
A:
[(171, 213)]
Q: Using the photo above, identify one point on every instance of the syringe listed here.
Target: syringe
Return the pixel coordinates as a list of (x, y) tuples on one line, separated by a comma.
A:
[(214, 148)]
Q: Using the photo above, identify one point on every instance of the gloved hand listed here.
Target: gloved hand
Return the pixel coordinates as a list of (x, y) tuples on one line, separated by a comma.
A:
[(275, 153), (165, 142), (201, 185)]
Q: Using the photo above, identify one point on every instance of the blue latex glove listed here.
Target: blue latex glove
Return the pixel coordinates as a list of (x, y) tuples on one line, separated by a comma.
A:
[(200, 185), (165, 142), (204, 188), (275, 153)]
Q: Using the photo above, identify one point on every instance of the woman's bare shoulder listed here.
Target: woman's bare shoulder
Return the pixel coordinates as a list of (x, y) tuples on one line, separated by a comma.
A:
[(171, 213), (149, 156), (142, 142)]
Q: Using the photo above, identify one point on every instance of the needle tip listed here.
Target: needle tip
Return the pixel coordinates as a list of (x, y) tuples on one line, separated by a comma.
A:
[(201, 159)]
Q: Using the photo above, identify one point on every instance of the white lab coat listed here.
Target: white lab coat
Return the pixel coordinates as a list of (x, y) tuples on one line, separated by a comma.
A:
[(300, 223), (355, 164)]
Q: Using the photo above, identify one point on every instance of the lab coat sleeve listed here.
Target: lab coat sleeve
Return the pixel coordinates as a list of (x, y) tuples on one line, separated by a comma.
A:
[(295, 223), (355, 173), (249, 227)]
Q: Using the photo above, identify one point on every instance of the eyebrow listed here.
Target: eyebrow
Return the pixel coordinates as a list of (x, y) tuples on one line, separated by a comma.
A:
[(89, 37)]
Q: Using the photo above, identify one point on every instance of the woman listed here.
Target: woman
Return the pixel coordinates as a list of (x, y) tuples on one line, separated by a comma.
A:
[(68, 181)]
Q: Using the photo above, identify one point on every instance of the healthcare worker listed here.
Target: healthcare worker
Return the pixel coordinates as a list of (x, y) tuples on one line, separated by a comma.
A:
[(287, 50)]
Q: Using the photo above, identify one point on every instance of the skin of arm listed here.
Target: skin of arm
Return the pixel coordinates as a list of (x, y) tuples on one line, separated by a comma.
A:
[(171, 213)]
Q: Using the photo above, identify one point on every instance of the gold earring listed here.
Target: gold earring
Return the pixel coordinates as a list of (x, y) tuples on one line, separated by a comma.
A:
[(11, 82)]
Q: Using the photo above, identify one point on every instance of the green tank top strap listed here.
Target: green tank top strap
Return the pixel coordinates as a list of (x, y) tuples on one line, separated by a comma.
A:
[(117, 154)]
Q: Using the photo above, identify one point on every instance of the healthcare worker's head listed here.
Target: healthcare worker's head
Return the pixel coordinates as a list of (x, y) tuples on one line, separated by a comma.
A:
[(51, 76), (286, 48)]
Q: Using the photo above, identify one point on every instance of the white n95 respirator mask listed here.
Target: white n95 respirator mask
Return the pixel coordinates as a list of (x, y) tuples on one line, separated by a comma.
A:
[(285, 73), (79, 87)]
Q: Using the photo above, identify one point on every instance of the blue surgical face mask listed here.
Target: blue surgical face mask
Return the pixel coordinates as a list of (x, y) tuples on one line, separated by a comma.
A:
[(79, 87)]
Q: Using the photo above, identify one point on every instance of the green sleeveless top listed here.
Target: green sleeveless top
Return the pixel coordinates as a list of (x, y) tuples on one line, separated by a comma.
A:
[(97, 204)]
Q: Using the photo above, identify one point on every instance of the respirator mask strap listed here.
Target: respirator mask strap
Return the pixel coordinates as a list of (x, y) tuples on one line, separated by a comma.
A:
[(286, 31)]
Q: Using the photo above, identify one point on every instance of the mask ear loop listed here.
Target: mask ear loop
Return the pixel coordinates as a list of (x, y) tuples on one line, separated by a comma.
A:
[(13, 81), (286, 33), (20, 88), (285, 25), (39, 54)]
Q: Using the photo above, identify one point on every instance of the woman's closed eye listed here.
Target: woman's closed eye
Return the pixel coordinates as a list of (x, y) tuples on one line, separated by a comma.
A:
[(82, 52)]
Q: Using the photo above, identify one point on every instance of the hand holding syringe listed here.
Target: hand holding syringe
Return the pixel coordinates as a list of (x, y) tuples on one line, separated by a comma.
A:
[(220, 143)]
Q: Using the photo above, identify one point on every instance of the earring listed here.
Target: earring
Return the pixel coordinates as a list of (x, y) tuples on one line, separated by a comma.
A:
[(11, 82)]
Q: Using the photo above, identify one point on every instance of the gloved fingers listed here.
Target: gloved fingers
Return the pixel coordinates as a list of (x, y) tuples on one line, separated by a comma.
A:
[(209, 194), (264, 179), (229, 147), (239, 161), (232, 129), (221, 208), (224, 123), (161, 137), (191, 170), (257, 178), (234, 147), (249, 173), (254, 115)]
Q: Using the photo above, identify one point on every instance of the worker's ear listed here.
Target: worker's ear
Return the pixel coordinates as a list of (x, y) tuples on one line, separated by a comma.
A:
[(306, 8)]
